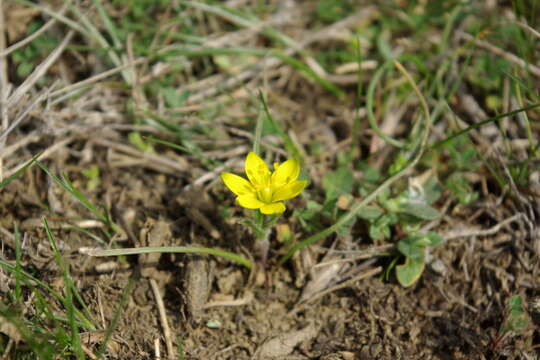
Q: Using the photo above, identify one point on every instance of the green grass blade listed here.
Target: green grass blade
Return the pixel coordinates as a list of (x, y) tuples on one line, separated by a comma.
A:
[(126, 293), (18, 267), (369, 107), (20, 171), (41, 347), (28, 279), (175, 249), (68, 298), (259, 126), (355, 143), (113, 32), (289, 144), (66, 184), (195, 151), (482, 123), (89, 234)]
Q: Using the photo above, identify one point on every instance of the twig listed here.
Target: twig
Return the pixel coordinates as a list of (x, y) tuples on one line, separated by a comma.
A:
[(498, 51), (346, 283), (4, 91), (174, 164), (39, 71), (7, 237), (528, 28), (157, 349), (27, 139), (342, 285), (52, 149), (211, 175), (163, 319), (481, 232), (236, 302), (3, 62), (356, 254), (20, 117), (96, 78), (32, 37)]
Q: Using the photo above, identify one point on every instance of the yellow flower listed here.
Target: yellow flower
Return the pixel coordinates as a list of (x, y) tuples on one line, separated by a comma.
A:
[(264, 190)]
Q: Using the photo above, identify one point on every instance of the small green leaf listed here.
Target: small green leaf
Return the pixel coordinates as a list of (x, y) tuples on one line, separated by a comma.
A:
[(515, 304), (173, 99), (517, 320), (408, 273), (330, 11), (423, 242), (92, 174), (136, 139), (345, 229), (392, 205), (434, 238), (377, 232), (412, 247), (380, 228), (383, 196), (337, 183), (401, 161), (409, 223), (370, 213), (432, 190), (420, 210), (461, 188), (371, 174), (24, 69)]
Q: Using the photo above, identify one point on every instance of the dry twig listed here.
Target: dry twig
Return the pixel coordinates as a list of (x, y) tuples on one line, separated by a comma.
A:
[(498, 51), (39, 71), (163, 318)]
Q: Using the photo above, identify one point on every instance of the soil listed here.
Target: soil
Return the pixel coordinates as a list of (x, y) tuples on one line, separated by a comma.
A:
[(217, 310)]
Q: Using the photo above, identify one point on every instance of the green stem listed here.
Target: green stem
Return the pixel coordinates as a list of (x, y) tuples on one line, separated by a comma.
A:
[(175, 249), (369, 107), (265, 224)]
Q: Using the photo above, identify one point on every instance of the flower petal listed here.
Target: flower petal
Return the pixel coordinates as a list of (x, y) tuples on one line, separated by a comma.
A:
[(286, 172), (257, 171), (249, 201), (274, 208), (237, 184), (289, 191)]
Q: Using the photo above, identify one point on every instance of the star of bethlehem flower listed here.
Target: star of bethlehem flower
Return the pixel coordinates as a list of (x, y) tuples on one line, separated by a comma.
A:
[(265, 191)]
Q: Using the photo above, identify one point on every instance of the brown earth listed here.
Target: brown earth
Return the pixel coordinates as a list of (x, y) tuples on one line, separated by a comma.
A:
[(343, 310)]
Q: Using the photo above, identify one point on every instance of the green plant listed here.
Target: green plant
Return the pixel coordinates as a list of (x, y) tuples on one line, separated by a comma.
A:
[(516, 321), (405, 212), (329, 11), (52, 328), (25, 59), (93, 176)]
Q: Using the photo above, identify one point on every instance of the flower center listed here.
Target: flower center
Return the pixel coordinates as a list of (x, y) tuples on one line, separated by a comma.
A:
[(265, 195)]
